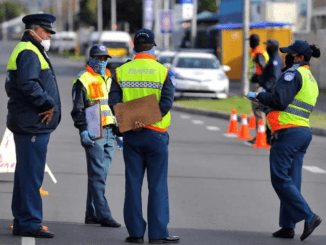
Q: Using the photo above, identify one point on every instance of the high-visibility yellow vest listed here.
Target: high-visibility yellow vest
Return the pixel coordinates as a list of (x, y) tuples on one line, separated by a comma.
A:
[(254, 68), (298, 112), (12, 65), (141, 77), (98, 89)]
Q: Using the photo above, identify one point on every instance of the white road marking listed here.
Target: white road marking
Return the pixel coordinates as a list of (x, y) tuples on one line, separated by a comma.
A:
[(184, 116), (197, 122), (28, 241), (315, 169), (230, 135), (213, 128)]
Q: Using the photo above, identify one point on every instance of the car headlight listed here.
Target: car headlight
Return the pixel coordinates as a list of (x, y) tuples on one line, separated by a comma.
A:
[(221, 76)]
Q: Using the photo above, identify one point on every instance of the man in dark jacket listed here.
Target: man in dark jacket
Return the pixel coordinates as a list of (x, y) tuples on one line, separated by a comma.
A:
[(271, 73), (34, 112)]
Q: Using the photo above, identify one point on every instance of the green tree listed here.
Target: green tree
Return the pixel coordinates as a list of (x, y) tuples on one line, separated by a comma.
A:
[(10, 10), (88, 12), (207, 5)]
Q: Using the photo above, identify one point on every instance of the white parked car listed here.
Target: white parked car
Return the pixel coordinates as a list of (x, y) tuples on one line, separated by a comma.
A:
[(200, 75)]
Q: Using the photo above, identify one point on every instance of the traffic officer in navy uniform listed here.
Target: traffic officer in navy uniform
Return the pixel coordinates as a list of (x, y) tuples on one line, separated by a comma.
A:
[(271, 73), (292, 101), (90, 85), (146, 146), (34, 112)]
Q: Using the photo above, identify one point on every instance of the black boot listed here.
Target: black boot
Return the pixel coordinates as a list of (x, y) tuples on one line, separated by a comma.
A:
[(310, 227), (284, 233)]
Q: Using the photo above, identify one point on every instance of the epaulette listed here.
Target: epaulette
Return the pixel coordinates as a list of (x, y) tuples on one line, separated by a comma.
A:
[(294, 67), (80, 74)]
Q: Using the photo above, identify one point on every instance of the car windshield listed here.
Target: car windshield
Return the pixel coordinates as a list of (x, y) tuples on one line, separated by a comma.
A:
[(165, 59), (116, 44), (194, 62)]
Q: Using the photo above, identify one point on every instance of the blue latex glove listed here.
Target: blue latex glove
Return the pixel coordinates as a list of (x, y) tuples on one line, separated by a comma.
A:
[(251, 95), (263, 91), (119, 143), (85, 137)]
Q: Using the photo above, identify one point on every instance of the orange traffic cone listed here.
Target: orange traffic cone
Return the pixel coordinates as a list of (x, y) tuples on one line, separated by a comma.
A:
[(233, 124), (244, 129), (252, 121), (261, 141), (44, 193)]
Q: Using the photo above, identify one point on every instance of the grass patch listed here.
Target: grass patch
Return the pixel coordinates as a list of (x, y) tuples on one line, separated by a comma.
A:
[(242, 105), (72, 56)]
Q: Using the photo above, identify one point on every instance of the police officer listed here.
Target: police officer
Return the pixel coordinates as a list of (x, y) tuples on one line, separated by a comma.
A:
[(271, 73), (146, 146), (94, 84), (34, 112), (292, 101), (257, 63)]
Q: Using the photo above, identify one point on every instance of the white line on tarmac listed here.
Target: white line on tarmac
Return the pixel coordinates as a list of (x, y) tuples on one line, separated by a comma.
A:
[(197, 122), (315, 169), (28, 241), (230, 135), (184, 116), (213, 128)]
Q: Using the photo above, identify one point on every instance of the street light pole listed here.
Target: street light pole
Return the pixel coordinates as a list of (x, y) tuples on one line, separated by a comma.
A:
[(245, 57), (166, 35), (194, 24), (99, 18), (113, 15)]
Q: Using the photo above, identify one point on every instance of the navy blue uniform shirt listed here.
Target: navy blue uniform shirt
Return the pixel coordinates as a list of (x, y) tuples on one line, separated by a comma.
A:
[(286, 88), (271, 72)]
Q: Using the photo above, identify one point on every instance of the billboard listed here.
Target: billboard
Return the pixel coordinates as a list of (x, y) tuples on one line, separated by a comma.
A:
[(231, 11)]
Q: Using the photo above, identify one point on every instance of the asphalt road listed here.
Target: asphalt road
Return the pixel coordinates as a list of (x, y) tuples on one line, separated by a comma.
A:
[(220, 190)]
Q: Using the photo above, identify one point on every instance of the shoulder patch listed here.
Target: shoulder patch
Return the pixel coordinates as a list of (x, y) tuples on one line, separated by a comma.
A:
[(80, 74), (172, 77), (288, 76)]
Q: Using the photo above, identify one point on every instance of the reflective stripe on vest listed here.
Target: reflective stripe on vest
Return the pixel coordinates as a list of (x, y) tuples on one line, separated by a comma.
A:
[(97, 89), (12, 65), (137, 82), (298, 112), (259, 50)]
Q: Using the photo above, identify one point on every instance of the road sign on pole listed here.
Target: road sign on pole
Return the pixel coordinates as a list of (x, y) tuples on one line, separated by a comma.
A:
[(166, 21)]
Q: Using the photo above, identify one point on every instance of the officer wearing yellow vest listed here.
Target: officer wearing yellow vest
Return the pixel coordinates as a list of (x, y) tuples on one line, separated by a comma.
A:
[(94, 84), (146, 146), (34, 112), (292, 101), (257, 63)]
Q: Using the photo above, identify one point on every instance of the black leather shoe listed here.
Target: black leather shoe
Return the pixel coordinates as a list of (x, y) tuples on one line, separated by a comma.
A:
[(134, 239), (169, 239), (91, 221), (284, 233), (310, 227), (110, 222), (38, 232)]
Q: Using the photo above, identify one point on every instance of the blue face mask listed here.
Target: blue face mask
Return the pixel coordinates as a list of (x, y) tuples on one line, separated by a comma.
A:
[(97, 62), (151, 51)]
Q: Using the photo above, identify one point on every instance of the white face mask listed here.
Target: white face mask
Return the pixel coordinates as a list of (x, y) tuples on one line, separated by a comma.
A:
[(45, 43)]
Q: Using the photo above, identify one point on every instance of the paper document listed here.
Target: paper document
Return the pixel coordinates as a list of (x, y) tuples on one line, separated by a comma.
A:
[(144, 110), (94, 122)]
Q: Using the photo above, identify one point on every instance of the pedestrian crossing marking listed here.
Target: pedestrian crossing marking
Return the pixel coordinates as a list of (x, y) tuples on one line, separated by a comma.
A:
[(197, 122), (213, 128), (28, 241), (184, 116), (315, 169)]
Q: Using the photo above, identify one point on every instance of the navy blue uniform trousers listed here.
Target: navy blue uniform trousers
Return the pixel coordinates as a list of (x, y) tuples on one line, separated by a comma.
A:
[(286, 160), (146, 149), (29, 173)]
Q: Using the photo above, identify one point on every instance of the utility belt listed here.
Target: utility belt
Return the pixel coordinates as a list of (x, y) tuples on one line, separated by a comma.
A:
[(109, 126)]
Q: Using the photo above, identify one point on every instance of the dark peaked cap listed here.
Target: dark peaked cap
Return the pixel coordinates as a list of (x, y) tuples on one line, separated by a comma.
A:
[(44, 20)]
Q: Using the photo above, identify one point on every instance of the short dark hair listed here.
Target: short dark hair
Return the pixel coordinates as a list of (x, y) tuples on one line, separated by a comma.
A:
[(143, 47)]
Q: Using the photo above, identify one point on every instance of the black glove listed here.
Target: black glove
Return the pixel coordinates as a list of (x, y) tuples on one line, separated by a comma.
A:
[(115, 131), (255, 78)]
